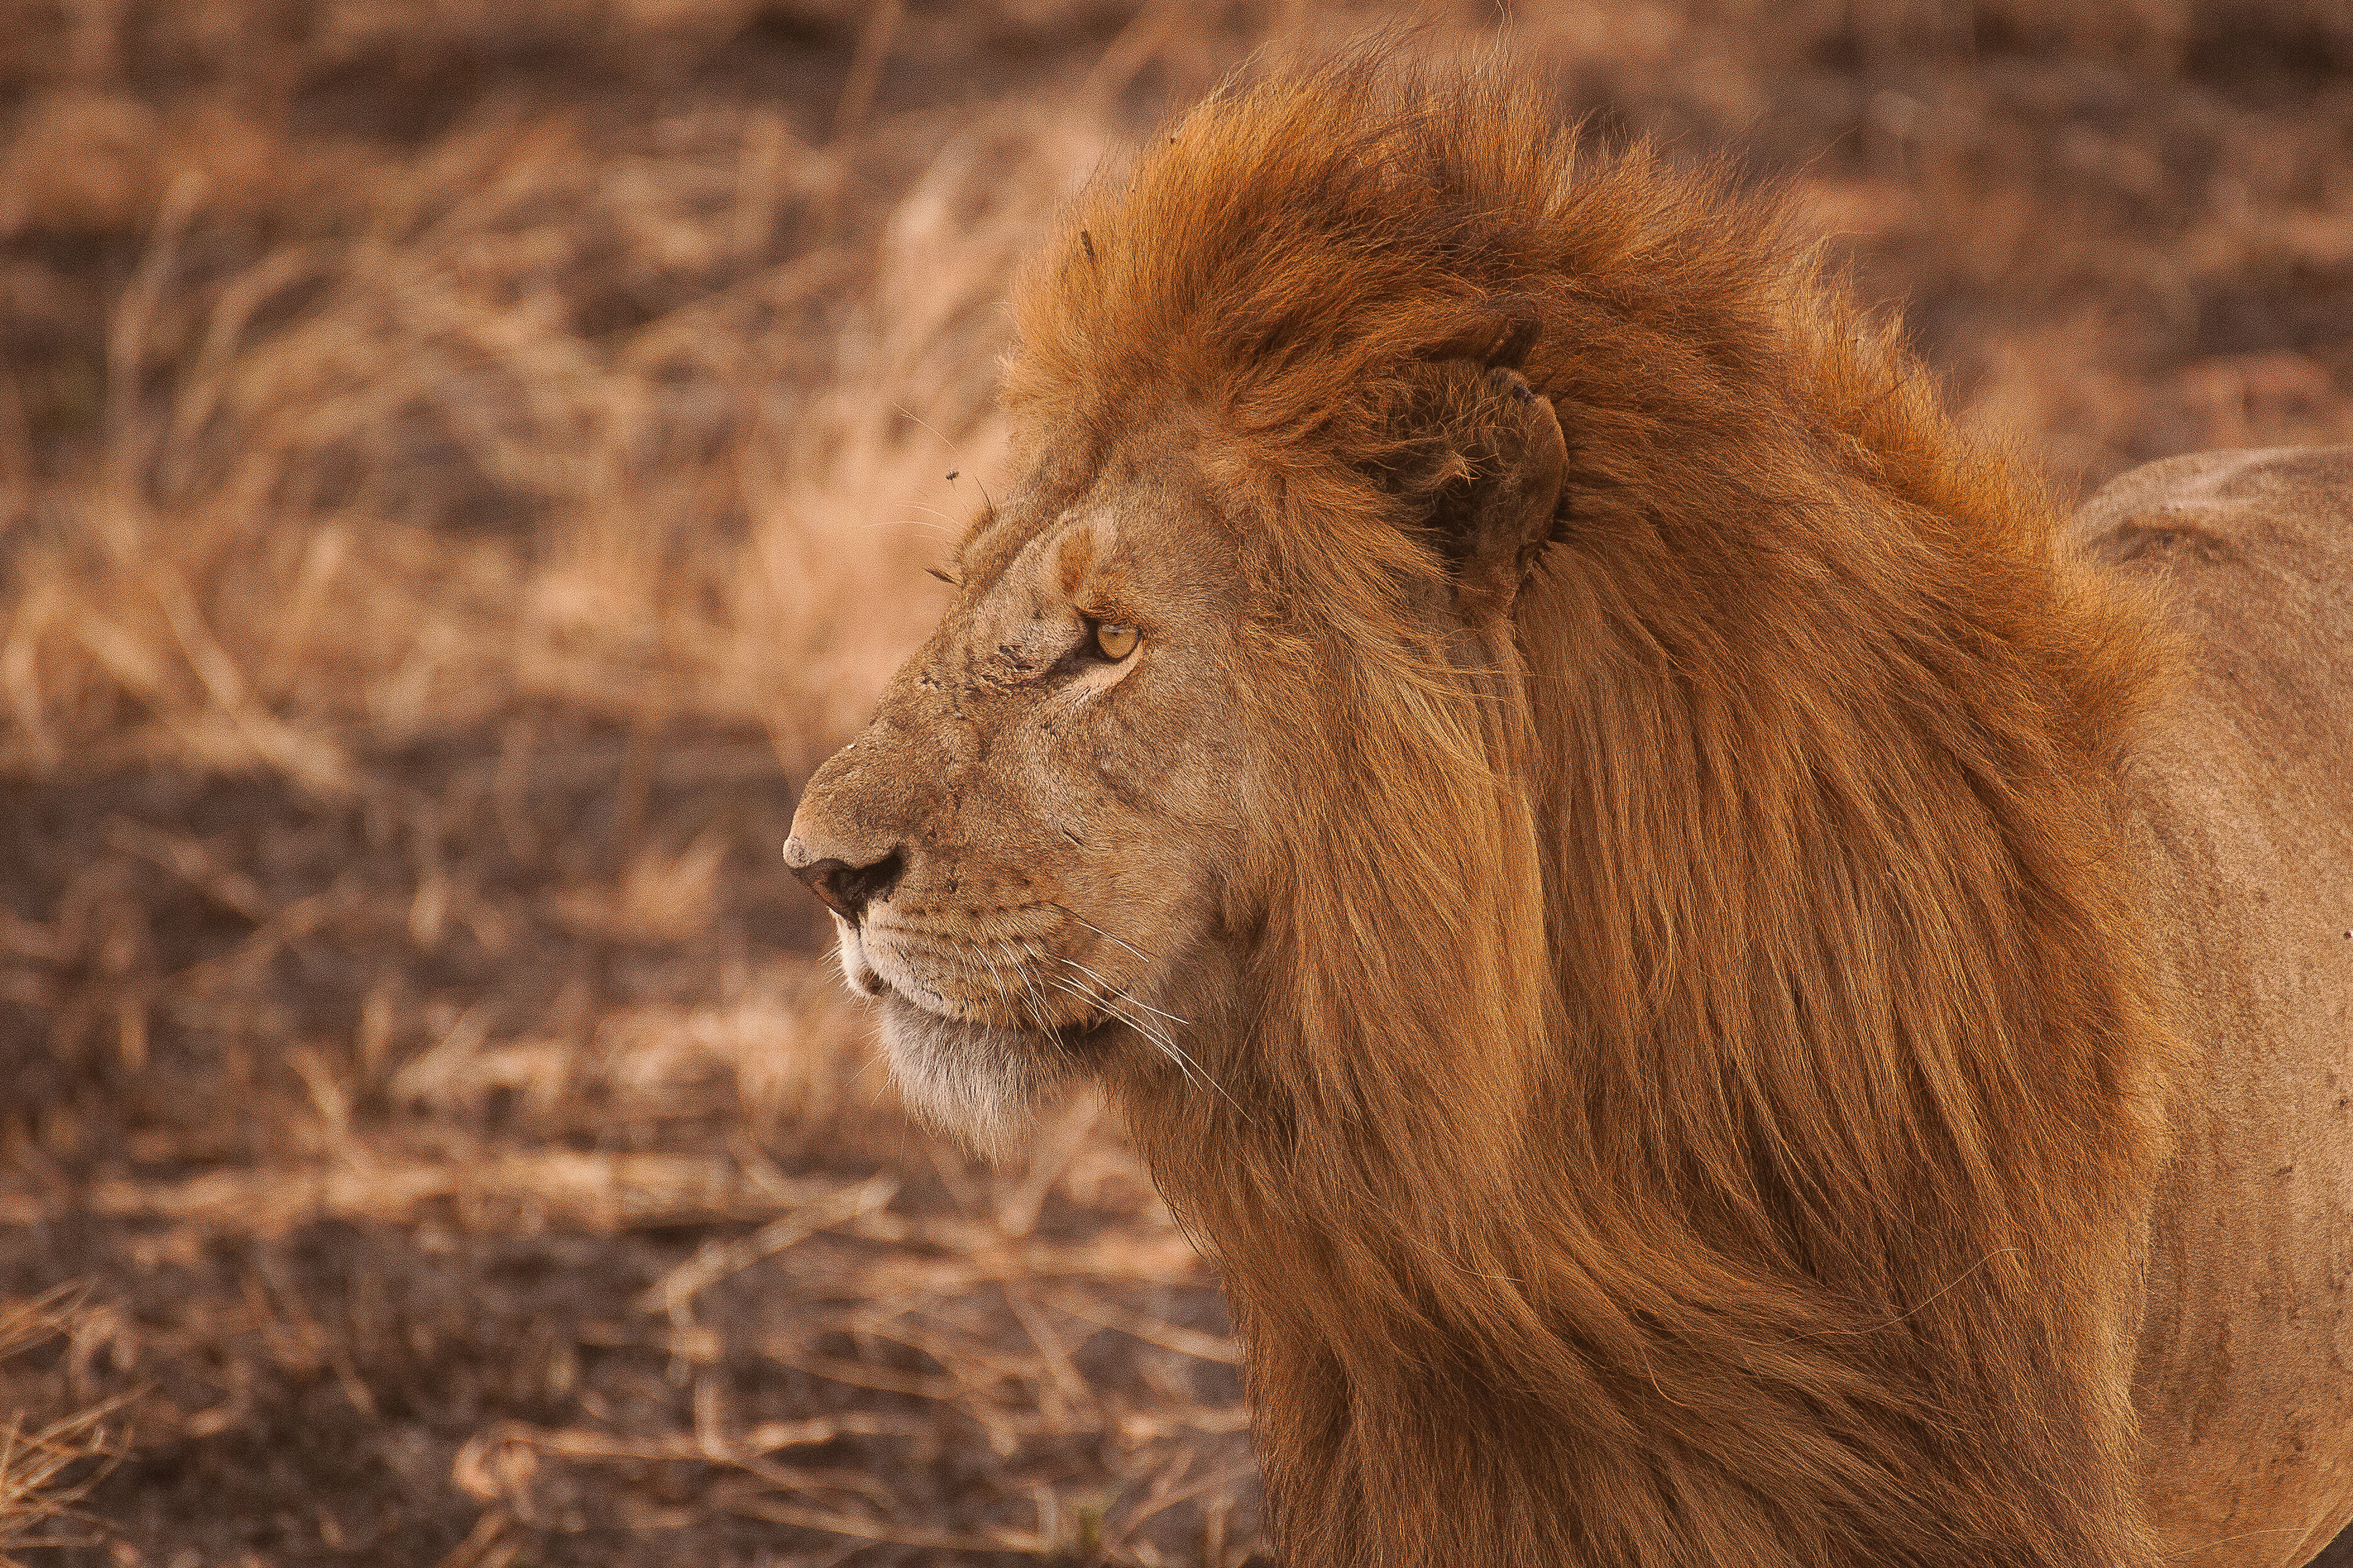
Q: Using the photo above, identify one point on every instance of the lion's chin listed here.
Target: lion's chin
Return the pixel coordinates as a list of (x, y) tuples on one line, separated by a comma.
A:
[(980, 1084)]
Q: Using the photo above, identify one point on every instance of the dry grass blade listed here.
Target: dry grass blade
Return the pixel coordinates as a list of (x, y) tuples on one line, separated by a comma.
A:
[(598, 1192), (717, 1260), (1219, 1348), (47, 1468), (491, 1455), (483, 1547), (830, 1523)]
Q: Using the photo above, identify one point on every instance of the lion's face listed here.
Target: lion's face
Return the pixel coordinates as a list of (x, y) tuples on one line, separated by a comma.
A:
[(1029, 853), (1051, 851)]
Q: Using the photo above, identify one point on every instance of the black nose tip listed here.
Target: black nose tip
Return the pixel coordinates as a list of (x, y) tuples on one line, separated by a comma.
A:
[(847, 889)]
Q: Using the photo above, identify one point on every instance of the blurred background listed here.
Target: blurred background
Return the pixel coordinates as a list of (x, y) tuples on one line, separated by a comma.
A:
[(462, 465)]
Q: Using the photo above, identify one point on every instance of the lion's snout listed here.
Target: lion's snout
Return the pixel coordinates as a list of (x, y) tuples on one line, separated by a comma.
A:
[(848, 845)]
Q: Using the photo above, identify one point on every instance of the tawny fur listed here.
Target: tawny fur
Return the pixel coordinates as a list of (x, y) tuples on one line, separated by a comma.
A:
[(2240, 809)]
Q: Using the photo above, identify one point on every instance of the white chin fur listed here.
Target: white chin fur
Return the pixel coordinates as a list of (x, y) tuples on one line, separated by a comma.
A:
[(981, 1085)]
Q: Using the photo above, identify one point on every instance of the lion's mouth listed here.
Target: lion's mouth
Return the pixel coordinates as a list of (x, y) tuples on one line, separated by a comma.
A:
[(1072, 1038), (896, 985), (972, 1045)]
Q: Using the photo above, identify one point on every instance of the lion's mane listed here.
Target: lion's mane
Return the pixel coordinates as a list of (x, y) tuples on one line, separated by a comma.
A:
[(1694, 1094)]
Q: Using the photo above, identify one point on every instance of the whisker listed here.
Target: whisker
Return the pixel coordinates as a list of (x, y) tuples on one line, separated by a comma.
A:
[(1127, 995), (1167, 1047), (1029, 985), (908, 522), (1159, 1036), (1100, 932), (997, 979)]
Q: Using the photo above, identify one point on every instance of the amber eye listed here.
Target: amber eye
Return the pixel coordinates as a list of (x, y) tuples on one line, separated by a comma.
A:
[(1116, 643)]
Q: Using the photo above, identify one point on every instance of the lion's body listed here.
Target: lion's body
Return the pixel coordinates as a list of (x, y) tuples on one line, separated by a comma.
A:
[(2241, 806), (1633, 954)]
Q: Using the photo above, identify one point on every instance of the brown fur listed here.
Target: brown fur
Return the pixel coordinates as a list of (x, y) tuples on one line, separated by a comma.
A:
[(1677, 1081)]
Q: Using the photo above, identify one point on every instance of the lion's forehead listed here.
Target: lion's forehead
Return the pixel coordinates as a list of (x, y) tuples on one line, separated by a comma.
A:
[(1138, 519), (1019, 543), (1027, 592)]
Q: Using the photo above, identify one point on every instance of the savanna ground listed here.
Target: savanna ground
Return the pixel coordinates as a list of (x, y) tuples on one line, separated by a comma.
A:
[(461, 467)]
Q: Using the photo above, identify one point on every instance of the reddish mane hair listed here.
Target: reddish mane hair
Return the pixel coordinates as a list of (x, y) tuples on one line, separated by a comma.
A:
[(1703, 1077)]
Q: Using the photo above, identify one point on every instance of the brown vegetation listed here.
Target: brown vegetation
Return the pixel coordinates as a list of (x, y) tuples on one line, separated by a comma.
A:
[(462, 466)]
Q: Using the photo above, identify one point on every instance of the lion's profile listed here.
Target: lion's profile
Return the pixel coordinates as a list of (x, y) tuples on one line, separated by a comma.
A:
[(1584, 827)]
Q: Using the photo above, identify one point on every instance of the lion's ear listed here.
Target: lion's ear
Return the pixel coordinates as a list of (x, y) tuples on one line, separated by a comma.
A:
[(1497, 506)]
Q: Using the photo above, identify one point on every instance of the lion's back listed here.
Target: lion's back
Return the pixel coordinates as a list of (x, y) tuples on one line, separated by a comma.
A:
[(2241, 796)]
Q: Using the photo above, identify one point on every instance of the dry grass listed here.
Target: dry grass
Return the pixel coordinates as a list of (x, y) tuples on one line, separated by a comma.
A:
[(461, 467), (46, 1469)]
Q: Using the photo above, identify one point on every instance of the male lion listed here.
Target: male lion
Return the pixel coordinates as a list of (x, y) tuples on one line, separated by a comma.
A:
[(1651, 921)]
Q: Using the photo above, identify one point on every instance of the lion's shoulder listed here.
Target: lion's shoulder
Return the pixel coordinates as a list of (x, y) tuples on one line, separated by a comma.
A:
[(2250, 554), (2219, 515)]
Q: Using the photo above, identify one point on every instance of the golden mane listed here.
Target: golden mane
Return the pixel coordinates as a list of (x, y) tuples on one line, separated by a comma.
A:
[(1702, 1076)]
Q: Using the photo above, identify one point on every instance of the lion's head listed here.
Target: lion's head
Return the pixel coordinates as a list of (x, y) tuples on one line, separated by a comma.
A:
[(1054, 849), (1031, 854)]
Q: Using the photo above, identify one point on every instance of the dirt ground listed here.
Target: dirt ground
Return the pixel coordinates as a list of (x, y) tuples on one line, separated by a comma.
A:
[(461, 467)]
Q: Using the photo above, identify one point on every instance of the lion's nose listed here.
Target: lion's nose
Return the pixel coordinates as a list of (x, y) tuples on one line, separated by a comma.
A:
[(845, 888)]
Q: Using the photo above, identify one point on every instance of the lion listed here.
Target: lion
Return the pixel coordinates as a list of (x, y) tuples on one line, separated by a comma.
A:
[(1710, 997)]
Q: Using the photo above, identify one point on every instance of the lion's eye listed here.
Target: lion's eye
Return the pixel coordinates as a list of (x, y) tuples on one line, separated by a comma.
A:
[(1116, 643)]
